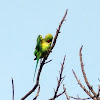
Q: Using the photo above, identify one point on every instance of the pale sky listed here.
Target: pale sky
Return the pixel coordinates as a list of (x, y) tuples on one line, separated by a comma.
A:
[(21, 21)]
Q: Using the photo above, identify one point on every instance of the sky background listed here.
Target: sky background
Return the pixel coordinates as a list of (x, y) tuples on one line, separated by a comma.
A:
[(21, 21)]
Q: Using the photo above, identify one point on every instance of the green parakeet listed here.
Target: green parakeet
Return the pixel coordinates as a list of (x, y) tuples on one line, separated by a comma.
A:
[(42, 47)]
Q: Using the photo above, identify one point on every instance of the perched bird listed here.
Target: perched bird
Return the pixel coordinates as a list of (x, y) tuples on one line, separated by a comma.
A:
[(41, 48)]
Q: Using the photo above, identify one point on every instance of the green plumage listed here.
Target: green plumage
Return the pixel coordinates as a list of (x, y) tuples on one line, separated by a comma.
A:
[(42, 47)]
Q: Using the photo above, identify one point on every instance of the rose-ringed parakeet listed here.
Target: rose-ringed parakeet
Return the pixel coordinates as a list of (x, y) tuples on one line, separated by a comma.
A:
[(42, 47)]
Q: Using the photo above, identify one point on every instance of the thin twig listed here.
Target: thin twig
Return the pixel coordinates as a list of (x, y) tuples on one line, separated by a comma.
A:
[(95, 95), (57, 95), (82, 85), (79, 98), (84, 75), (37, 93), (59, 82), (45, 58), (60, 78), (48, 61), (12, 89), (58, 30), (60, 94), (66, 93)]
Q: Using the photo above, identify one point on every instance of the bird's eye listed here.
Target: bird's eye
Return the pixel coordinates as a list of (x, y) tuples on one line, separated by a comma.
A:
[(48, 41)]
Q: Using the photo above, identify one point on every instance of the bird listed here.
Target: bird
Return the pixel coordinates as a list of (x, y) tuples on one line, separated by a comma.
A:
[(42, 47)]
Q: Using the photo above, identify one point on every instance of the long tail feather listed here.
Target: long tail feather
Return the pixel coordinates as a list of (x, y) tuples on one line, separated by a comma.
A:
[(35, 69)]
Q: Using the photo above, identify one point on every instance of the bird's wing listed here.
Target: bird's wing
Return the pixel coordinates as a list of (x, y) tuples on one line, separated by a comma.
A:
[(38, 46)]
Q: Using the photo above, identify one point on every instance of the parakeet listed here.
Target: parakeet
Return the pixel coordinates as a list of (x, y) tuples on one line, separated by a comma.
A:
[(42, 47)]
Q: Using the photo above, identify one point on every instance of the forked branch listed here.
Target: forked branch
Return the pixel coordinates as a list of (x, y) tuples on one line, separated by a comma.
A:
[(67, 97), (83, 87), (94, 95), (59, 82), (84, 75)]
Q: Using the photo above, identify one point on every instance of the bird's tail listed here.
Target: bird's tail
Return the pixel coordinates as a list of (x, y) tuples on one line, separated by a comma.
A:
[(35, 69)]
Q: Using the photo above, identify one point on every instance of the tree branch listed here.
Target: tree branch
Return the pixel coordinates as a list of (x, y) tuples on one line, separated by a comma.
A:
[(88, 93), (48, 61), (37, 93), (45, 58), (12, 89), (60, 94), (58, 30), (84, 75), (59, 82), (79, 98), (66, 93)]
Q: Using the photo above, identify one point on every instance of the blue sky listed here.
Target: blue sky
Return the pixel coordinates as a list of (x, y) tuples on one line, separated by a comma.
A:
[(21, 21)]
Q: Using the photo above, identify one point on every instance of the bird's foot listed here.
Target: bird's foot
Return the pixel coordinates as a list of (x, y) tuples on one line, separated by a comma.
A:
[(49, 50)]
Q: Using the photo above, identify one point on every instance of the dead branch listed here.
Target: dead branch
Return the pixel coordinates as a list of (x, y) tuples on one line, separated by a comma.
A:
[(84, 75), (94, 95), (57, 95), (83, 87), (66, 93), (58, 30), (45, 58), (79, 98), (60, 94), (48, 61), (12, 89), (59, 82), (37, 93)]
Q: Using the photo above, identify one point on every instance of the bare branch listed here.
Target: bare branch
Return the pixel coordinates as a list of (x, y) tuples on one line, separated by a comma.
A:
[(62, 79), (60, 94), (37, 81), (37, 93), (58, 30), (12, 89), (79, 98), (57, 95), (48, 61), (45, 58), (84, 75), (59, 82), (66, 93), (82, 85)]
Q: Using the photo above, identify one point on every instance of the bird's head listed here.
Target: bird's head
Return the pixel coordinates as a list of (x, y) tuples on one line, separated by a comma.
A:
[(48, 38), (40, 37)]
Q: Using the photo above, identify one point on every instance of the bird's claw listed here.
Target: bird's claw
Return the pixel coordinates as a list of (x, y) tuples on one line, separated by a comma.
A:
[(49, 50)]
